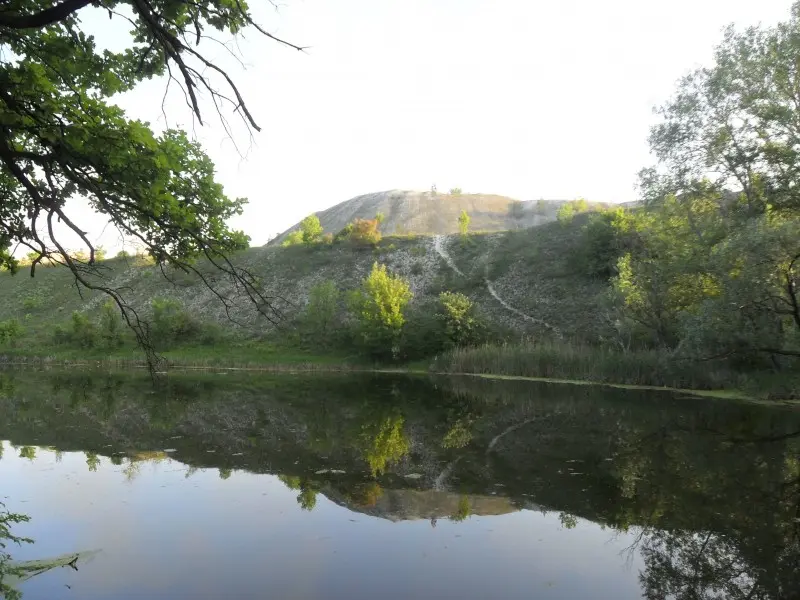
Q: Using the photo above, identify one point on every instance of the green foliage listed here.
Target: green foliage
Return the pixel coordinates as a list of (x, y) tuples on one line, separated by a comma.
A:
[(294, 238), (32, 302), (123, 254), (365, 232), (311, 230), (461, 325), (463, 511), (384, 442), (378, 309), (380, 218), (172, 324), (718, 271), (604, 241), (456, 191), (463, 222), (81, 332), (10, 332), (319, 320), (568, 211), (111, 326)]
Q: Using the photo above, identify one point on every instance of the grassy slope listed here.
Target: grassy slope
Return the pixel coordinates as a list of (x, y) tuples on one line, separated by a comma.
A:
[(531, 268)]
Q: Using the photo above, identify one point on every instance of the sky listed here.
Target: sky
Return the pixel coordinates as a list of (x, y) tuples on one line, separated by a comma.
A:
[(524, 98)]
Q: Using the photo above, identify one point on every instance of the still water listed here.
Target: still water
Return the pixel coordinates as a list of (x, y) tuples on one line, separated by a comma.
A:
[(222, 486)]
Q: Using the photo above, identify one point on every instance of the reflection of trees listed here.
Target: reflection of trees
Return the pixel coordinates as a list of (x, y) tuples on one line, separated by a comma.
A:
[(702, 566), (384, 442), (92, 461), (463, 511), (225, 473), (307, 498), (28, 452), (458, 436)]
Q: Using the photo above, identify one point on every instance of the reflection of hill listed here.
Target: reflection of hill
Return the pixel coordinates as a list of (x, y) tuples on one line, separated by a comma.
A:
[(401, 448), (411, 504)]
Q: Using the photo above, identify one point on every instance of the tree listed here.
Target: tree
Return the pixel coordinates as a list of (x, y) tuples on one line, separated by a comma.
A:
[(461, 325), (365, 232), (62, 138), (312, 229), (720, 258), (321, 311), (463, 222), (378, 307), (456, 191)]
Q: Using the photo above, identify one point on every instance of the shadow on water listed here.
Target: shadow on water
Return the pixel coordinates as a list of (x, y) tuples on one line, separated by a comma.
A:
[(708, 490)]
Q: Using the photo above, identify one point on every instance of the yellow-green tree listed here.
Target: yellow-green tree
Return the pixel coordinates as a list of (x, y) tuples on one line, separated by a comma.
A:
[(378, 306), (463, 222)]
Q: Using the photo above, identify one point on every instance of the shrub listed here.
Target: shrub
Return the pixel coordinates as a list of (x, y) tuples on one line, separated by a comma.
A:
[(461, 326), (295, 238), (123, 254), (456, 191), (463, 222), (10, 332), (111, 327), (32, 302), (81, 332), (568, 211), (172, 324), (310, 232), (318, 320), (311, 229), (417, 268), (378, 308), (365, 231)]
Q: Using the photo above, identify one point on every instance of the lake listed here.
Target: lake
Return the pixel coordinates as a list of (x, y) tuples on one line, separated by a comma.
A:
[(339, 486)]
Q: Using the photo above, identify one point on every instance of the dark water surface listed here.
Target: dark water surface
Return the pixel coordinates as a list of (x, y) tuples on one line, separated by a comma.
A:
[(223, 486)]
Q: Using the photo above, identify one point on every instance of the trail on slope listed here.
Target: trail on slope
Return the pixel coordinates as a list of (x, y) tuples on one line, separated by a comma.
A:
[(441, 250)]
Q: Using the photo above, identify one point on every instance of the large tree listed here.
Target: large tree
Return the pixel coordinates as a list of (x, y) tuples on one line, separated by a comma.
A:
[(720, 268), (62, 138)]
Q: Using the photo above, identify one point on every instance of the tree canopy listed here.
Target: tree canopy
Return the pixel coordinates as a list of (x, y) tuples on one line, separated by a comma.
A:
[(62, 137), (714, 260)]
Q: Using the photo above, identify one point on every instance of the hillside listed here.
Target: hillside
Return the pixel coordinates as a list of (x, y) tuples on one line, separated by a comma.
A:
[(525, 281), (426, 213)]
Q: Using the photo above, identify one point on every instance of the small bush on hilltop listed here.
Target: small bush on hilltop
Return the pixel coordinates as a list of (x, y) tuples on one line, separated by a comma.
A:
[(310, 232), (365, 232)]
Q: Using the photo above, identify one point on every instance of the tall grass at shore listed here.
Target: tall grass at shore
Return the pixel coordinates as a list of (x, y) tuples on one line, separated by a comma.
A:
[(554, 360)]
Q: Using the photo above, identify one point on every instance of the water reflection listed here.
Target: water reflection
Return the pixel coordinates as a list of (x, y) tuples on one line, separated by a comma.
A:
[(701, 498)]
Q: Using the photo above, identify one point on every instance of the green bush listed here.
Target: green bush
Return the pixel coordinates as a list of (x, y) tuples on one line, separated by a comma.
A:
[(318, 321), (378, 308), (10, 332), (81, 332), (32, 302), (462, 327), (172, 324), (111, 326)]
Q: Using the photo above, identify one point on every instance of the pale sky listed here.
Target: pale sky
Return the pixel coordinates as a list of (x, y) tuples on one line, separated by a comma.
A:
[(528, 99)]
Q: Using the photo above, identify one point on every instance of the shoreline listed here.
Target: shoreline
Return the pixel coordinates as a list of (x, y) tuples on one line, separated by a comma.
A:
[(344, 368)]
